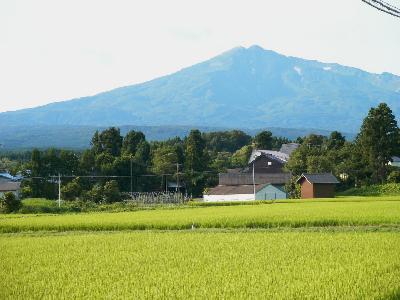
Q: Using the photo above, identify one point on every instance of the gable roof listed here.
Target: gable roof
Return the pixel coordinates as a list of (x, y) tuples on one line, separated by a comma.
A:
[(280, 156), (9, 186), (395, 159), (235, 189), (289, 148), (318, 178)]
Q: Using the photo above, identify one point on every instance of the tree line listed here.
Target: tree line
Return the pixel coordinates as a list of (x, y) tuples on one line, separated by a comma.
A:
[(115, 164)]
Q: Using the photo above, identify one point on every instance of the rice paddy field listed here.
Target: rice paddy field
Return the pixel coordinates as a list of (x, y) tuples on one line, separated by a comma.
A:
[(324, 249)]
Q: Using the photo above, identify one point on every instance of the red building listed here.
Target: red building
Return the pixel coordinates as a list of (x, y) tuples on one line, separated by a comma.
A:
[(321, 185)]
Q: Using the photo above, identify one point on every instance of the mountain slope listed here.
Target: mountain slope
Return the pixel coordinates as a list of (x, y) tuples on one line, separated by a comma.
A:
[(241, 88)]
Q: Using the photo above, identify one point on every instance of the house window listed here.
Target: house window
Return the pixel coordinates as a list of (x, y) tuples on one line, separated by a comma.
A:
[(269, 163)]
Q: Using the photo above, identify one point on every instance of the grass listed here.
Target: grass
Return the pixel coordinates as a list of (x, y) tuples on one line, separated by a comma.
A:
[(200, 265), (359, 212), (343, 248)]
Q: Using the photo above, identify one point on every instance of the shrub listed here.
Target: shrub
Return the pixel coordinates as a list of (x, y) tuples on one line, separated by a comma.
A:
[(10, 203), (394, 177), (72, 190), (111, 192)]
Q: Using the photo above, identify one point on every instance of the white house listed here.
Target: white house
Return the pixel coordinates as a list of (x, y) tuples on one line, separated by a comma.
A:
[(395, 161), (245, 193)]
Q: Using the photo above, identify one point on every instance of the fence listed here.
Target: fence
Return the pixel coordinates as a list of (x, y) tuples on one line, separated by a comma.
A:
[(157, 198)]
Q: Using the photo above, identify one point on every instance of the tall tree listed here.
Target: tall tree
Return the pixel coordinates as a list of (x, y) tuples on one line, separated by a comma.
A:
[(131, 142), (335, 141), (263, 140), (108, 141), (196, 156), (378, 140)]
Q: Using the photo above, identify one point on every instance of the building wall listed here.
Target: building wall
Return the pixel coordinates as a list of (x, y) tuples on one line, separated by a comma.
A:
[(265, 164), (259, 178), (324, 190), (271, 192), (307, 190), (235, 197)]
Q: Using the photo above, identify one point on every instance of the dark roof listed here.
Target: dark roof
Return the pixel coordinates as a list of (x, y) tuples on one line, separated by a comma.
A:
[(9, 186), (319, 178), (235, 189), (259, 178)]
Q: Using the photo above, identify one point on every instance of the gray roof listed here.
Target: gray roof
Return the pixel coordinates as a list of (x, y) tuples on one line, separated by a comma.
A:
[(280, 156), (235, 189), (319, 178), (289, 148), (395, 159), (9, 186)]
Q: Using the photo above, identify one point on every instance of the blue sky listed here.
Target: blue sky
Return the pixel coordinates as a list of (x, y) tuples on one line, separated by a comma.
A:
[(57, 50)]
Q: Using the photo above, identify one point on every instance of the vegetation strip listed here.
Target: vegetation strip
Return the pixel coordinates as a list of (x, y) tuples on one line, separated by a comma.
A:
[(312, 214)]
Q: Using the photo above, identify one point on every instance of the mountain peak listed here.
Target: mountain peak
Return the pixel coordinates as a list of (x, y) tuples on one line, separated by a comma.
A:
[(241, 88)]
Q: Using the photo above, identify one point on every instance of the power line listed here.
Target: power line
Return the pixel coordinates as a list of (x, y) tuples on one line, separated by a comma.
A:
[(384, 7)]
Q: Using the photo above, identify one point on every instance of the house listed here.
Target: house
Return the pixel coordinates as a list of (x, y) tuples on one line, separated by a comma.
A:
[(244, 192), (395, 162), (321, 185), (265, 170), (10, 186)]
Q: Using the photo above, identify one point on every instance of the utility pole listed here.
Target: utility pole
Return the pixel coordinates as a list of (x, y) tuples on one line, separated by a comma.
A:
[(131, 179), (254, 182), (59, 190), (177, 177)]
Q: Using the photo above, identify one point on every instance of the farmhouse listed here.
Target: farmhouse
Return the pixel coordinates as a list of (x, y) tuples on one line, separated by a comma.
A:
[(10, 186), (264, 171), (395, 162), (321, 185), (245, 192)]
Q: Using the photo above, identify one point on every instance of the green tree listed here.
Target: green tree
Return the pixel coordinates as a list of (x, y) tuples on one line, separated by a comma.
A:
[(95, 194), (111, 192), (69, 162), (378, 141), (10, 203), (241, 157), (72, 190), (196, 158), (108, 141), (131, 142), (165, 159), (87, 162), (263, 140), (335, 141), (142, 155)]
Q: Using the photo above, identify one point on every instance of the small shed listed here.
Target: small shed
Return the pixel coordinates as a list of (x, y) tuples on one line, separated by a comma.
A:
[(320, 185), (245, 192)]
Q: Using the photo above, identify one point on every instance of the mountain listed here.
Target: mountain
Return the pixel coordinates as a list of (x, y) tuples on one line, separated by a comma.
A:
[(241, 88), (21, 137)]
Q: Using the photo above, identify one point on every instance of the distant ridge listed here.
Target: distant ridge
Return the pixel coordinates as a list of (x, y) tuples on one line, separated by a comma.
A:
[(79, 136), (241, 88)]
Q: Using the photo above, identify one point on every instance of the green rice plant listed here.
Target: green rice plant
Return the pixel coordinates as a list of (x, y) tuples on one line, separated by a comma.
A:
[(292, 215), (200, 265)]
